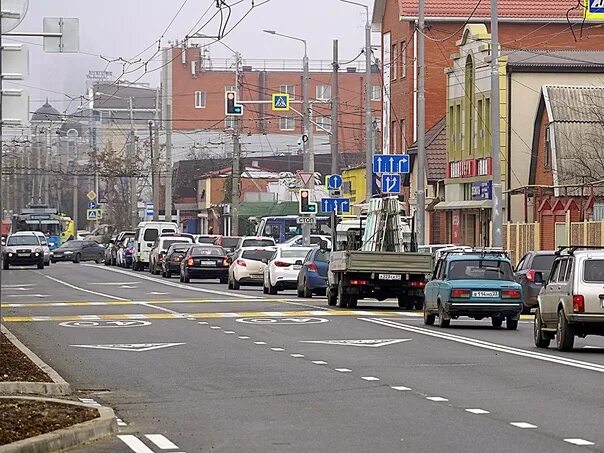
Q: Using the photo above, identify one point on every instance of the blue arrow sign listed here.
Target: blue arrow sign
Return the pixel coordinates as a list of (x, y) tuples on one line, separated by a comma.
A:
[(334, 182), (391, 183), (91, 205), (391, 163), (335, 205)]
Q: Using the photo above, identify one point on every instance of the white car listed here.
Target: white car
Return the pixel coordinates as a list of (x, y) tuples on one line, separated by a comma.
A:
[(315, 239), (283, 269), (145, 236), (256, 241), (247, 268), (160, 247), (44, 245)]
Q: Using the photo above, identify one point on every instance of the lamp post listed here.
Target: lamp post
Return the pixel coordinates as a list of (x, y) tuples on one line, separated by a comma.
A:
[(368, 116), (307, 138)]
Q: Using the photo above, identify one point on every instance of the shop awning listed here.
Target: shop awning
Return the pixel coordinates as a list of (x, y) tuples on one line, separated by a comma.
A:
[(470, 204)]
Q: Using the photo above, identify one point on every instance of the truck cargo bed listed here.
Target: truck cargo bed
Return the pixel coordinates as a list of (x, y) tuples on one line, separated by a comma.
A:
[(391, 262)]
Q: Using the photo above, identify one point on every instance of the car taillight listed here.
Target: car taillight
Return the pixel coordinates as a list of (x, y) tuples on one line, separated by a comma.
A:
[(578, 303), (530, 275), (190, 262), (510, 294), (460, 293), (160, 257), (359, 282), (225, 262), (282, 264), (312, 267), (241, 263), (416, 284)]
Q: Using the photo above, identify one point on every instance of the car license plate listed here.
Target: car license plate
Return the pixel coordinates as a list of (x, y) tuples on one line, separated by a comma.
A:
[(485, 294), (390, 277), (23, 254), (207, 263), (257, 276)]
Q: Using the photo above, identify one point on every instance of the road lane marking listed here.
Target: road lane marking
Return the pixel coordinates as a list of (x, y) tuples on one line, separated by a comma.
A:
[(134, 443), (69, 285), (477, 411), (259, 342), (244, 337), (319, 362), (130, 347), (161, 441), (524, 425), (18, 286), (113, 283), (81, 303), (580, 442), (400, 388), (491, 346), (27, 295), (215, 327), (228, 331), (370, 378), (343, 370), (364, 343), (277, 349), (259, 315), (297, 356), (437, 399)]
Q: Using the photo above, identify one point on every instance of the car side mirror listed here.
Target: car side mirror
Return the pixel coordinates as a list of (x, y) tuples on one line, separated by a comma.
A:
[(299, 263), (538, 277), (265, 261)]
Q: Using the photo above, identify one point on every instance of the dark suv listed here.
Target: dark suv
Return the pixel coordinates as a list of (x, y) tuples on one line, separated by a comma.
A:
[(525, 271)]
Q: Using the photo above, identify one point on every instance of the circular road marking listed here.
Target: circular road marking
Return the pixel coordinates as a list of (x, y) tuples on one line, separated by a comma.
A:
[(283, 321), (105, 324)]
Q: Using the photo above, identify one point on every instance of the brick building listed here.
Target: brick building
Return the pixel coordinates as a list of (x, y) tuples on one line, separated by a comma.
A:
[(197, 84)]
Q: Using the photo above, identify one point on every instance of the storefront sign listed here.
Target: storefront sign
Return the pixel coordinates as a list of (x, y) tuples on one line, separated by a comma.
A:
[(456, 230), (482, 190)]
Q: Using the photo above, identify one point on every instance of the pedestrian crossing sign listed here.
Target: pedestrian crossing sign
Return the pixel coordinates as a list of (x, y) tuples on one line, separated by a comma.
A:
[(280, 102), (94, 214)]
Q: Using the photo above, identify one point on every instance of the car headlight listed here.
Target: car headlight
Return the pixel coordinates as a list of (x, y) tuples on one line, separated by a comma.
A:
[(10, 254), (38, 250), (68, 252)]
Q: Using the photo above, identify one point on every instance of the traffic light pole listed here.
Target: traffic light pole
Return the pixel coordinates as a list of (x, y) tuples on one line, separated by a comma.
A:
[(236, 171)]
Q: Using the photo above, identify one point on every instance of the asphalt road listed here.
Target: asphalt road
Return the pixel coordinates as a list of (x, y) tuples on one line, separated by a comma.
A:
[(196, 367)]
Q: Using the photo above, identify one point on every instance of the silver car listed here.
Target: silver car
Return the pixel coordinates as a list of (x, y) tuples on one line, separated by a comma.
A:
[(571, 302)]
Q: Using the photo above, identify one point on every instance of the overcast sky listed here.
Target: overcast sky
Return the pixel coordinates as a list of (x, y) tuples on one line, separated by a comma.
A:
[(130, 29)]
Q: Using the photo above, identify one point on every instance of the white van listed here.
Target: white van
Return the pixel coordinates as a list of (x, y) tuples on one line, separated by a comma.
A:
[(145, 236)]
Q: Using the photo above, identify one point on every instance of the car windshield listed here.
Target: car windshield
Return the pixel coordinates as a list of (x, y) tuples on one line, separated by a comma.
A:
[(72, 245), (207, 251), (543, 263), (593, 271), (257, 255), (293, 253), (179, 248), (480, 269), (22, 240), (257, 243), (230, 242), (167, 244), (206, 240)]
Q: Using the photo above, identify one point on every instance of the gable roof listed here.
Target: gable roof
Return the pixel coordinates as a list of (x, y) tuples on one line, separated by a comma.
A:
[(508, 10), (554, 60), (436, 151), (575, 119)]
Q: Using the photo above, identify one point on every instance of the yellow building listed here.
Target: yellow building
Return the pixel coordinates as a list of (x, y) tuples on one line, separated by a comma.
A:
[(354, 186)]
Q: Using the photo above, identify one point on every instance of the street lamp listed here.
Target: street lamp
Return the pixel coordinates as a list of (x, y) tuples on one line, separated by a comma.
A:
[(307, 138), (368, 116)]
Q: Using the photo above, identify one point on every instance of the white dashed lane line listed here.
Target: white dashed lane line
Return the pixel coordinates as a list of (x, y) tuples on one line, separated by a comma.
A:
[(277, 349), (524, 425), (158, 440), (319, 362), (259, 342), (161, 441), (477, 411), (400, 388), (343, 370), (370, 378), (437, 399), (244, 337), (580, 442), (297, 356)]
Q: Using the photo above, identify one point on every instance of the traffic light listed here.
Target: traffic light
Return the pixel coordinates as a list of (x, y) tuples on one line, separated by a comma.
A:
[(232, 108), (306, 207)]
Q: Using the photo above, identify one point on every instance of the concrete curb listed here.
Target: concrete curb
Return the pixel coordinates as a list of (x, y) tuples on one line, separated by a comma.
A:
[(59, 387), (65, 438)]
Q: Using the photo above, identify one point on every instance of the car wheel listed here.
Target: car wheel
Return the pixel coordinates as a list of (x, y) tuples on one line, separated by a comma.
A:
[(511, 323), (299, 291), (107, 262), (429, 318), (540, 340), (77, 258), (113, 261), (565, 338), (236, 285), (271, 289), (405, 302), (224, 280), (5, 265), (442, 320), (306, 291), (168, 273), (352, 302), (264, 289), (229, 284), (332, 297), (99, 260), (186, 278), (181, 278), (418, 303), (41, 264), (496, 321), (342, 297)]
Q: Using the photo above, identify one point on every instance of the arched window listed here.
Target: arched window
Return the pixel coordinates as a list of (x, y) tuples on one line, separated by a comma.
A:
[(469, 107)]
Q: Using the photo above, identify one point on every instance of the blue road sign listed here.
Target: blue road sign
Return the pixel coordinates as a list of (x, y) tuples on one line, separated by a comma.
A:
[(335, 204), (149, 210), (334, 182), (91, 205), (391, 163), (391, 183)]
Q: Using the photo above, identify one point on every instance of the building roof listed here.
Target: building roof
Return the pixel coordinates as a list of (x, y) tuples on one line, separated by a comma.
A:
[(554, 60), (113, 95), (538, 10), (46, 113), (575, 115), (436, 151)]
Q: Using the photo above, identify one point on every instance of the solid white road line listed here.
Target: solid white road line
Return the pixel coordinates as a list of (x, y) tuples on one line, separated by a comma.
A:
[(343, 370), (477, 411), (161, 441), (113, 283), (524, 425), (69, 285), (135, 443), (487, 345), (370, 378), (437, 399), (400, 388), (580, 442)]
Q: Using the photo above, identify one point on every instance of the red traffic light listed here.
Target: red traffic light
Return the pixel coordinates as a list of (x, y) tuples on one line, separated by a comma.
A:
[(304, 193), (230, 96)]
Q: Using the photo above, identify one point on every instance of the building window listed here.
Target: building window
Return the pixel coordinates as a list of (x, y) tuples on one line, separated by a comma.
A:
[(323, 92), (200, 100), (403, 59), (376, 92), (547, 157), (469, 108), (480, 127), (230, 88), (323, 124), (487, 124), (394, 63), (229, 122), (457, 127), (289, 89), (287, 123)]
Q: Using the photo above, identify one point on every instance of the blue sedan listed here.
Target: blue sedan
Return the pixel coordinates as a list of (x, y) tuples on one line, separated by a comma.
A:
[(473, 284), (312, 278)]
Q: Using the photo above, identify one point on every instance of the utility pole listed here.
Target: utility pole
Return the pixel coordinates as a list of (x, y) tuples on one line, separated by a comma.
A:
[(154, 187), (133, 161), (335, 102), (368, 115), (420, 211), (168, 127), (236, 171), (496, 214), (307, 138)]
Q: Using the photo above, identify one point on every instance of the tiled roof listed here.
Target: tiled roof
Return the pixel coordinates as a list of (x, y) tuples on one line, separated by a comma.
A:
[(507, 9), (526, 60), (436, 151)]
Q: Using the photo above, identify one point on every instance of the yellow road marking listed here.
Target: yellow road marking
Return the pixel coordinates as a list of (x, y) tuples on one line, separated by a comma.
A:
[(247, 314), (81, 303)]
